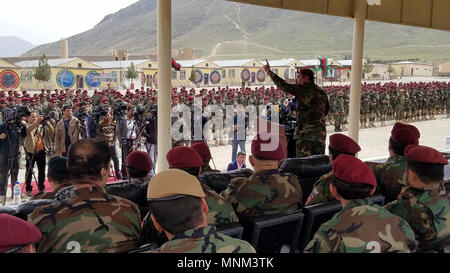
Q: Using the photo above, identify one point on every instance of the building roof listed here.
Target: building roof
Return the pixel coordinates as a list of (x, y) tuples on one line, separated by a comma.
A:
[(233, 63), (312, 62), (419, 13), (118, 64), (51, 62), (190, 63), (345, 62), (282, 62), (409, 62)]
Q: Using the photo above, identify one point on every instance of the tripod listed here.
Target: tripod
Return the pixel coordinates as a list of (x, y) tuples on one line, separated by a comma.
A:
[(12, 166)]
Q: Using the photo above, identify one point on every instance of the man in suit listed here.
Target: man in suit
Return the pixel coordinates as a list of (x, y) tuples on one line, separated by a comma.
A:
[(238, 164)]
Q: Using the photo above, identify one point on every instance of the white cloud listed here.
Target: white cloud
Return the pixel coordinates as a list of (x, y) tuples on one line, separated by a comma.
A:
[(47, 21)]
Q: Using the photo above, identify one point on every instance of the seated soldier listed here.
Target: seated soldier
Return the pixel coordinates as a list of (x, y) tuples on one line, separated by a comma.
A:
[(57, 176), (188, 160), (361, 226), (91, 220), (267, 191), (339, 144), (17, 235), (179, 209), (391, 175), (203, 150), (425, 202), (139, 166), (220, 211)]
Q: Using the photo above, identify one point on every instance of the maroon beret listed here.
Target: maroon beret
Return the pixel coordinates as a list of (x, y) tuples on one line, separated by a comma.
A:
[(424, 154), (182, 157), (405, 134), (2, 100), (25, 99), (16, 232), (352, 170), (262, 148), (202, 149), (344, 144), (139, 160)]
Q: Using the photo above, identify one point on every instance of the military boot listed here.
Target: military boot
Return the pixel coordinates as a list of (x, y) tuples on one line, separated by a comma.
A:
[(2, 200)]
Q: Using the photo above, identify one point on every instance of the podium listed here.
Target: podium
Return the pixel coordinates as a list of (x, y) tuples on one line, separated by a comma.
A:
[(273, 128)]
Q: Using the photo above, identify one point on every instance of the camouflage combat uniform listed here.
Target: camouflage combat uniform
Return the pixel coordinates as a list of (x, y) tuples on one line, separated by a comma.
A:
[(205, 240), (50, 195), (391, 177), (427, 210), (264, 193), (321, 191), (220, 211), (363, 227), (92, 221), (312, 108)]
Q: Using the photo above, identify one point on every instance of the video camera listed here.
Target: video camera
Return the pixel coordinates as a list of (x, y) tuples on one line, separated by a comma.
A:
[(99, 113), (14, 115)]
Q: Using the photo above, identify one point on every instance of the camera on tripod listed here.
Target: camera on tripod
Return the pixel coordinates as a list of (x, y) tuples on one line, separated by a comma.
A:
[(14, 115)]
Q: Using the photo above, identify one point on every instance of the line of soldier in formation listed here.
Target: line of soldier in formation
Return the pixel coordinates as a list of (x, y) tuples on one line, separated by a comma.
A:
[(403, 102)]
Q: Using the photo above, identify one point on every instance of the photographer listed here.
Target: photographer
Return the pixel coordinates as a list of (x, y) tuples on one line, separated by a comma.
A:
[(127, 133), (37, 127), (82, 114), (150, 134), (107, 133), (10, 131), (67, 131)]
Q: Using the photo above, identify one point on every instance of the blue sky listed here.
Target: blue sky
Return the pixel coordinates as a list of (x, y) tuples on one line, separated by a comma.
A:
[(46, 21)]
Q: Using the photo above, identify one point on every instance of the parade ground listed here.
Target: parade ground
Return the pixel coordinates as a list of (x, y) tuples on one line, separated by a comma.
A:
[(373, 142)]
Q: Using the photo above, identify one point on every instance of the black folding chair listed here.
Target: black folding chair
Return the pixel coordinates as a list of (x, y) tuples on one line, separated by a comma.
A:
[(234, 230), (318, 214), (272, 233)]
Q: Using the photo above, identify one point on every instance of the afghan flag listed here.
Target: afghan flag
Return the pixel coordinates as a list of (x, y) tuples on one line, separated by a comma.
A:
[(324, 66), (175, 65)]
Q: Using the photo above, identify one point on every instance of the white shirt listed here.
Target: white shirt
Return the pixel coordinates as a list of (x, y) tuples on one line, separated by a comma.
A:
[(131, 131)]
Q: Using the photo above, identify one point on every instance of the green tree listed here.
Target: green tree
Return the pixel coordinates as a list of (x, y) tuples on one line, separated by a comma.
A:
[(390, 71), (43, 72), (368, 67), (131, 72), (192, 77)]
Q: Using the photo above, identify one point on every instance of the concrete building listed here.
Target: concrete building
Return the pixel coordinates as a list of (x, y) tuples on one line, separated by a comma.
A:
[(236, 72), (73, 73), (411, 69)]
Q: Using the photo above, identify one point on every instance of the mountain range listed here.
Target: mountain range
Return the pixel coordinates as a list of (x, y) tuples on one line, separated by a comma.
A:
[(220, 29), (11, 46)]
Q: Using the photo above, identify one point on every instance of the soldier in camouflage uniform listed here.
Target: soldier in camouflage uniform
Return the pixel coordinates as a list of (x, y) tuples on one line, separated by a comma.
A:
[(365, 108), (373, 108), (175, 195), (91, 221), (339, 112), (312, 108), (58, 177), (188, 160), (267, 191), (384, 106), (339, 144), (361, 226), (203, 150), (391, 175), (425, 204)]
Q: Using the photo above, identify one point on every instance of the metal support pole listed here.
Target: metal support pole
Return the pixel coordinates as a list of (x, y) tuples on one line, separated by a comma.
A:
[(357, 55), (164, 82)]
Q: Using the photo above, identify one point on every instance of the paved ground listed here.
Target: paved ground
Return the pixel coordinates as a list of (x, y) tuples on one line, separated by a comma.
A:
[(373, 141)]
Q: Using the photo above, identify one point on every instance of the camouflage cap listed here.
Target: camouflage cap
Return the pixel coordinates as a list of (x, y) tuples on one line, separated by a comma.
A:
[(173, 184)]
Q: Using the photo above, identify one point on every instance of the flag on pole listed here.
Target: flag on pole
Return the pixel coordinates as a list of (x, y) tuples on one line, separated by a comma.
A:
[(175, 65)]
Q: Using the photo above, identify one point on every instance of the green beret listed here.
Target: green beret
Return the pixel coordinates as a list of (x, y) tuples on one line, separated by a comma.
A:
[(57, 166)]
